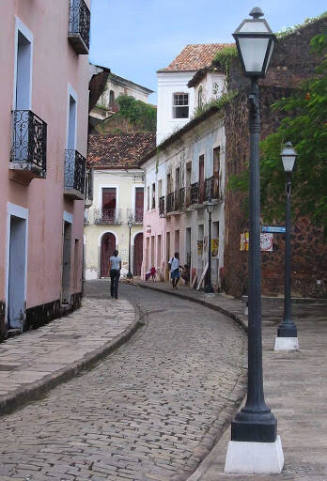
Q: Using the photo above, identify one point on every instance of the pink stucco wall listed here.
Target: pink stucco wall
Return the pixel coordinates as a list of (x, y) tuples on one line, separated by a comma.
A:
[(55, 65), (154, 226)]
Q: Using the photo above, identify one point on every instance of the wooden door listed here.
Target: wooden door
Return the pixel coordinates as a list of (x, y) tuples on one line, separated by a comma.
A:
[(138, 254), (108, 245), (109, 204), (139, 204)]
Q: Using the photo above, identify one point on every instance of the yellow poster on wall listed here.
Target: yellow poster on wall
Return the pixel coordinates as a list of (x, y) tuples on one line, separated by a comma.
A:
[(244, 241), (214, 247)]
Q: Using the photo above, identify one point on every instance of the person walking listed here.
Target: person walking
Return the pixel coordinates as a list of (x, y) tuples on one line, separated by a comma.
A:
[(174, 269), (114, 270)]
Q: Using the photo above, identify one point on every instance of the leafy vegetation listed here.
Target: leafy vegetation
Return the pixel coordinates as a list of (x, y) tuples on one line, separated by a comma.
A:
[(218, 103), (225, 56), (138, 113), (305, 125), (288, 31)]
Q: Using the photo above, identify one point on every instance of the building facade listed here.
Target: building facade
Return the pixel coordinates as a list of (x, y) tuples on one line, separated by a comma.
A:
[(208, 150), (180, 179), (115, 86), (115, 218), (186, 170), (177, 102), (44, 141)]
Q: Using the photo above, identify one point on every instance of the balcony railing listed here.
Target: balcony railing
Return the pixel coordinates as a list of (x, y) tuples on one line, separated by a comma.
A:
[(170, 202), (194, 193), (107, 216), (74, 174), (209, 189), (136, 216), (79, 26), (212, 189), (162, 205), (29, 147)]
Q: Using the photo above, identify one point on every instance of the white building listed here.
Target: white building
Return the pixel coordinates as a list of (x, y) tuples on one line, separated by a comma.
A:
[(118, 197), (187, 169), (177, 102)]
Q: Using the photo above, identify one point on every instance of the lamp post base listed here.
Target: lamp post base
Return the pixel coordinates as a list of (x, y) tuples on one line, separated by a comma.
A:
[(129, 275), (286, 344), (247, 457), (208, 289)]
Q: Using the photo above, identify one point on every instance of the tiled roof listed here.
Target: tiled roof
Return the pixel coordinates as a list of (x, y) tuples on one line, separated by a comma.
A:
[(195, 57), (118, 151)]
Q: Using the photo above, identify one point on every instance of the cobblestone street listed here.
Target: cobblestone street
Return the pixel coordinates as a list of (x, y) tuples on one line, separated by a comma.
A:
[(149, 411)]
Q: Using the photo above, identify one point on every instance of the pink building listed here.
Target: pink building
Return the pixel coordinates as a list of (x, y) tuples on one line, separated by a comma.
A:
[(43, 138)]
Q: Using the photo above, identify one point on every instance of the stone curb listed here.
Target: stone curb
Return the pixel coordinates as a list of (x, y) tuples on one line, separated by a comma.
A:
[(214, 307), (38, 389)]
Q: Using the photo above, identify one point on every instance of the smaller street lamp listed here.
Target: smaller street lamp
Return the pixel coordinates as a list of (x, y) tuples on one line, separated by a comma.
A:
[(208, 286), (130, 224), (287, 333)]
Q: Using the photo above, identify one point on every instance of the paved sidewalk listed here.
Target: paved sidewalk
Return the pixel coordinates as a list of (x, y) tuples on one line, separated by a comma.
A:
[(295, 389), (40, 359)]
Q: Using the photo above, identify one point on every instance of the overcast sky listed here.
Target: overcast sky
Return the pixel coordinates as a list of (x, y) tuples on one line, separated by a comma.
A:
[(134, 38)]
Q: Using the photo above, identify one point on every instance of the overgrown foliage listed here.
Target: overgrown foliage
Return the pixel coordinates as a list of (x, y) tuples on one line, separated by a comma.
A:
[(305, 125), (218, 103), (225, 56), (290, 30), (138, 113)]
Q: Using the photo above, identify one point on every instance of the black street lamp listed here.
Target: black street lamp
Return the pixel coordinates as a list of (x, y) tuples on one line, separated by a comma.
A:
[(254, 445), (208, 286), (129, 273), (287, 333)]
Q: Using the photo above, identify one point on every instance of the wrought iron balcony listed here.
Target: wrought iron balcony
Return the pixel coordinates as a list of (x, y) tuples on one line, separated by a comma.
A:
[(162, 206), (209, 188), (29, 146), (170, 202), (74, 175), (212, 189), (195, 193), (88, 187), (180, 194), (79, 26), (107, 216), (136, 216)]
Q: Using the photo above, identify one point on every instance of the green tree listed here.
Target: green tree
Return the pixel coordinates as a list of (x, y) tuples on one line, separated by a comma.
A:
[(139, 113), (305, 125)]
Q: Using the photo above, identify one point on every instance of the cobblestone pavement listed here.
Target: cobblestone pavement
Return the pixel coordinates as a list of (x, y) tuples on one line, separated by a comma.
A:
[(41, 358), (150, 411)]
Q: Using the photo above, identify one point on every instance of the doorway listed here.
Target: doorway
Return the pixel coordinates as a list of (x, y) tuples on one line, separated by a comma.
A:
[(108, 245), (66, 263), (17, 272), (138, 254)]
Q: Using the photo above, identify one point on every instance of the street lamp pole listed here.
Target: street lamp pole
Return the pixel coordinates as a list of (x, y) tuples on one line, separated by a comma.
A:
[(208, 285), (287, 333), (129, 274), (254, 445)]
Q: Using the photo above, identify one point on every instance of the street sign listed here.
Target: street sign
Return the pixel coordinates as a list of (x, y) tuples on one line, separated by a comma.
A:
[(273, 229)]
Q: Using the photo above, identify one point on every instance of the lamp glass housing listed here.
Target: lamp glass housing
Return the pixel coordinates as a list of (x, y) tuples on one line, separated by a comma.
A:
[(288, 156), (255, 43), (209, 206)]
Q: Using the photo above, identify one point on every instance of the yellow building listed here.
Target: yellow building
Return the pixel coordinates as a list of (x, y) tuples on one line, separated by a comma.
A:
[(115, 218)]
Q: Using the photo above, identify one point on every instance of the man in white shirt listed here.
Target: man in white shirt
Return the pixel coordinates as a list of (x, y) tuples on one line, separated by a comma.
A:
[(114, 270), (174, 269)]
